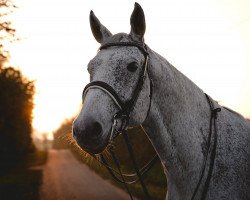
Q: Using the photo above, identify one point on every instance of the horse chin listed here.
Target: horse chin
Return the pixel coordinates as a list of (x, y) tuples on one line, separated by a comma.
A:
[(94, 151)]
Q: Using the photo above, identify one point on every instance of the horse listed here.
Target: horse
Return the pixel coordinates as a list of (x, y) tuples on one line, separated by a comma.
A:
[(200, 148)]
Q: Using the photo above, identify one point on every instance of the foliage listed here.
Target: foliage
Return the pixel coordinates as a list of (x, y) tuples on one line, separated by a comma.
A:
[(155, 179), (23, 182), (16, 100), (62, 136), (7, 32)]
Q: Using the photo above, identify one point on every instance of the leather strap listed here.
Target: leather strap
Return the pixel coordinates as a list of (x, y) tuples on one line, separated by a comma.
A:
[(213, 117), (107, 89)]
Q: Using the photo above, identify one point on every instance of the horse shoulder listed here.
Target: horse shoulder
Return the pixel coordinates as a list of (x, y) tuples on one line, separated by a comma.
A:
[(232, 165)]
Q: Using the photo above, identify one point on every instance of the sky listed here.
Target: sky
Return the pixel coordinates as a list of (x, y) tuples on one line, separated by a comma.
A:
[(207, 40)]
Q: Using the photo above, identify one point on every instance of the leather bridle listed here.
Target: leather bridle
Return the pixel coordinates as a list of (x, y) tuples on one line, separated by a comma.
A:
[(123, 114), (125, 109)]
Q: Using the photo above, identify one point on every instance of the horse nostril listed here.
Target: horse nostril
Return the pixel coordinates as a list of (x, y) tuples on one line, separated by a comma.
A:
[(97, 128), (88, 133), (75, 132)]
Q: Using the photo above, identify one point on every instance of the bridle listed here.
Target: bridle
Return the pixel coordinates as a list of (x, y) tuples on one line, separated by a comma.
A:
[(125, 109)]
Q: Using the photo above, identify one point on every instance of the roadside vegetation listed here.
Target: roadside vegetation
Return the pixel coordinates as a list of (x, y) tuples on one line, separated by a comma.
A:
[(155, 179), (23, 181), (16, 100), (17, 151)]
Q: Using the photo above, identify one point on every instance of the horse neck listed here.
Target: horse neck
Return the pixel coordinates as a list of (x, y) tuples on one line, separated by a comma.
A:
[(178, 122)]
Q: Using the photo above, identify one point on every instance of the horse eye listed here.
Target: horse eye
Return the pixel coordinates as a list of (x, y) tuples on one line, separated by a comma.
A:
[(132, 67)]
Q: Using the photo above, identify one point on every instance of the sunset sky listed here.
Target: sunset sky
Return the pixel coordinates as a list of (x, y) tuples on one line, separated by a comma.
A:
[(207, 40)]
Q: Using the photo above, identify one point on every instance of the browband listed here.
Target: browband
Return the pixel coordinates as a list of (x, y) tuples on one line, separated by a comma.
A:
[(140, 46)]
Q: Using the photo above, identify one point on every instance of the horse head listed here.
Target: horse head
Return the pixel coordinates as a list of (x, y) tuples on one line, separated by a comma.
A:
[(119, 68)]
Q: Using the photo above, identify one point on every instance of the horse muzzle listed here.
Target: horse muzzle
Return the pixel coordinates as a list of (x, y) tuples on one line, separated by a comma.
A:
[(90, 136)]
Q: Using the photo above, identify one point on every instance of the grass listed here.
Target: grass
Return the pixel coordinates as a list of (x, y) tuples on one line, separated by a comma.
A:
[(22, 182)]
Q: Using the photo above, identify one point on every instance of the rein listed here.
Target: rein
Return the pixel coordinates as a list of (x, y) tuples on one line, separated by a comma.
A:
[(213, 117), (125, 109)]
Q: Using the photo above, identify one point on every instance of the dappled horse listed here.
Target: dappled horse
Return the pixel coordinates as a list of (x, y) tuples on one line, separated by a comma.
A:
[(204, 148)]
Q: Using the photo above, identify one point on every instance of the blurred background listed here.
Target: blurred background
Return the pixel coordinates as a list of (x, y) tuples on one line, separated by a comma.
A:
[(45, 47)]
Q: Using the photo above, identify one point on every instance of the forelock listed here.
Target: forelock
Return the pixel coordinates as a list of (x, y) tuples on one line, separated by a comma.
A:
[(120, 37)]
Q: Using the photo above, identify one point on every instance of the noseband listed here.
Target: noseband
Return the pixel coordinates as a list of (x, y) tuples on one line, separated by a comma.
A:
[(125, 109)]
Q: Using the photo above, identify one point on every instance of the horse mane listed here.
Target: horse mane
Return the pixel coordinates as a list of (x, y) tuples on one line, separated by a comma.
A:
[(234, 112)]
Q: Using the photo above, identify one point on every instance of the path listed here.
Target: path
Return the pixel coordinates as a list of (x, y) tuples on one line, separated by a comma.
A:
[(65, 178)]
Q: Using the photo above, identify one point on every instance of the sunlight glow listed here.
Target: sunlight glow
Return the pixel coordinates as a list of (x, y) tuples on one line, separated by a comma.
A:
[(209, 41)]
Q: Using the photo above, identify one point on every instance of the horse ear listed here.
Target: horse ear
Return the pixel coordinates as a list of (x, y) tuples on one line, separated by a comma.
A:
[(99, 31), (137, 22)]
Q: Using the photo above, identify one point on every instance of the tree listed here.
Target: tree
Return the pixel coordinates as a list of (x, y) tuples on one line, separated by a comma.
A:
[(63, 136), (7, 32), (16, 100)]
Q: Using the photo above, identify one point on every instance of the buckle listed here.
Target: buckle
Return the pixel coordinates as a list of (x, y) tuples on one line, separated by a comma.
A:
[(120, 122)]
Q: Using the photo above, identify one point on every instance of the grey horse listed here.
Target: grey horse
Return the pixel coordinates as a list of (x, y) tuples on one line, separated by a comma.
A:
[(178, 121)]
